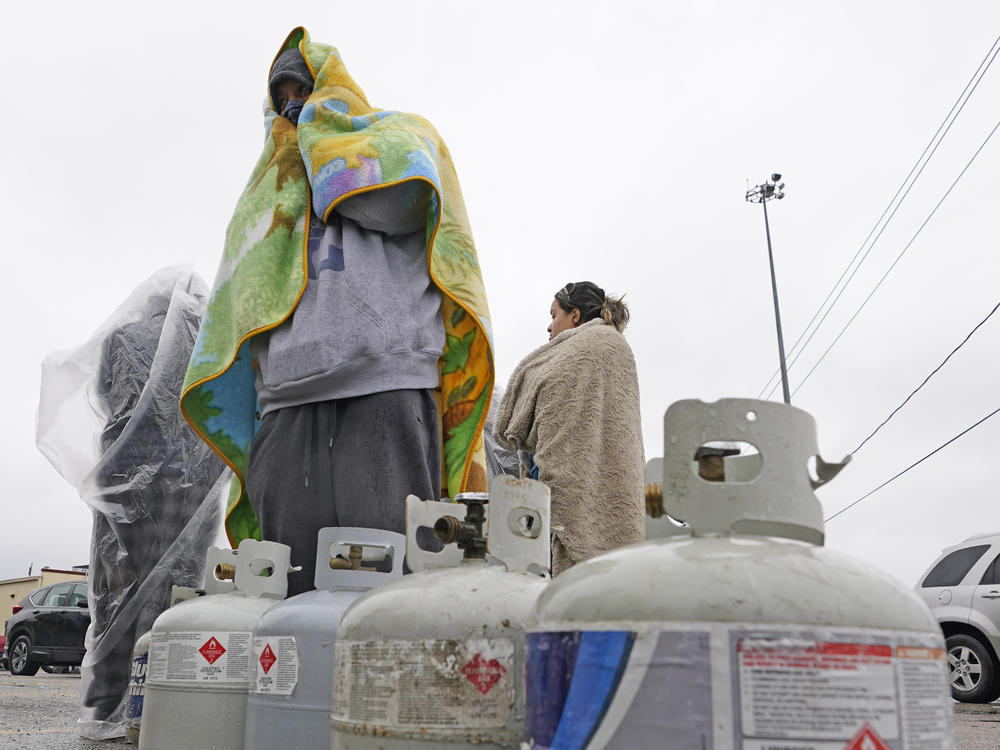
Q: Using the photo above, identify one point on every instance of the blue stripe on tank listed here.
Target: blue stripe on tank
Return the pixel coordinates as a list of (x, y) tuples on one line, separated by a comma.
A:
[(601, 658), (548, 675)]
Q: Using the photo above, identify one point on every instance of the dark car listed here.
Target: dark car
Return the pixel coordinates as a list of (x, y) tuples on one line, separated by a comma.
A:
[(48, 628)]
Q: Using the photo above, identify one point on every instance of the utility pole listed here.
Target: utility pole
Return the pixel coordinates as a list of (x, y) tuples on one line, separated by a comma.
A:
[(762, 194)]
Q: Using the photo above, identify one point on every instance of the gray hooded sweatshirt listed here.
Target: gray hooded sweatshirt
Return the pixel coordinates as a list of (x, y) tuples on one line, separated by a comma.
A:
[(370, 317)]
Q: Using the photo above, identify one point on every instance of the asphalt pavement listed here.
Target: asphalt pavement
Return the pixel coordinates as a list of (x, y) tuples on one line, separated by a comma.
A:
[(40, 712), (977, 726)]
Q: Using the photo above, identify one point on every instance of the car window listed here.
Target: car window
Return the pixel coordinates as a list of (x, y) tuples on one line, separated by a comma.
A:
[(38, 597), (953, 567), (58, 595), (992, 575), (79, 595)]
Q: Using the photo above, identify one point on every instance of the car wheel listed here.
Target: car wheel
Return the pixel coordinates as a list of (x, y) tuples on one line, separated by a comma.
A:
[(972, 671), (20, 658)]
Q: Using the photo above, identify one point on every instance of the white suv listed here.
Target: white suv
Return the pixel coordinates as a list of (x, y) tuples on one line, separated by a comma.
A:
[(962, 588)]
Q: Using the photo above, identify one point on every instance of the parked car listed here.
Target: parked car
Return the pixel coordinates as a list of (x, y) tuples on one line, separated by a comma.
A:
[(48, 628), (3, 656), (962, 588)]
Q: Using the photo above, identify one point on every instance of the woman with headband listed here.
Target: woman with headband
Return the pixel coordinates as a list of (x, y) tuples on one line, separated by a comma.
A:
[(572, 409)]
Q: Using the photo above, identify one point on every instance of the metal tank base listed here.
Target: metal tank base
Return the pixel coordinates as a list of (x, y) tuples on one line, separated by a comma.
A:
[(170, 726)]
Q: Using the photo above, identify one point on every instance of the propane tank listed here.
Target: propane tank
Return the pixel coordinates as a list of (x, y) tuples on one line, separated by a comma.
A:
[(136, 688), (436, 658), (735, 628), (139, 667), (292, 672), (199, 655)]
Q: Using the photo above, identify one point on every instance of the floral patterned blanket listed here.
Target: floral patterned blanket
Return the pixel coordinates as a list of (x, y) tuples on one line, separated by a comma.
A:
[(342, 146)]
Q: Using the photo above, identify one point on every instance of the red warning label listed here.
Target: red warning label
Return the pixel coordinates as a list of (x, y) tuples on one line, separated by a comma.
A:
[(267, 658), (816, 689), (212, 650), (482, 673), (866, 739), (277, 665), (182, 657)]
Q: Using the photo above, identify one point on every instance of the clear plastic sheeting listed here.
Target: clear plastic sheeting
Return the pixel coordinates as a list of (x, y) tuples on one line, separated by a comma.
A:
[(109, 421), (498, 460)]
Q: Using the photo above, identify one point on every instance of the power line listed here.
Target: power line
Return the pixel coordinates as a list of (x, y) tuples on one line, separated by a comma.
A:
[(916, 463), (993, 50), (898, 258), (797, 354), (933, 372)]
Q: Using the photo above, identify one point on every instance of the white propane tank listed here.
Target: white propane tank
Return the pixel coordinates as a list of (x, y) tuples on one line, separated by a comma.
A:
[(139, 667), (436, 659), (199, 656), (738, 630), (292, 671)]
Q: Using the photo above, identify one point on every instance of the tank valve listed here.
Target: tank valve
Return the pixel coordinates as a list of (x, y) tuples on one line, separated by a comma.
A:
[(468, 534), (353, 561), (654, 499), (225, 572), (448, 529)]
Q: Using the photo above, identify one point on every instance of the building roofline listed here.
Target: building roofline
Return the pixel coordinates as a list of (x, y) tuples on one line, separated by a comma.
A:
[(25, 579), (67, 572)]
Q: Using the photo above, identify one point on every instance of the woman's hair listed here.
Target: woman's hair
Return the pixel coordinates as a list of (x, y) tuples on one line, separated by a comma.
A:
[(592, 303)]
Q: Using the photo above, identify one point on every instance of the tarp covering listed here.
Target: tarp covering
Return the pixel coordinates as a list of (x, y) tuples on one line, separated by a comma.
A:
[(108, 420), (498, 460)]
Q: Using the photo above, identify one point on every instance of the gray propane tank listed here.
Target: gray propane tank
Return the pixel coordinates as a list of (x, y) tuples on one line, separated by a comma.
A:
[(199, 656), (735, 629), (436, 659), (292, 672)]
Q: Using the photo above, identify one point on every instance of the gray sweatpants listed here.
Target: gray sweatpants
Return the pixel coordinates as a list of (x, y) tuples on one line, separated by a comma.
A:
[(347, 462)]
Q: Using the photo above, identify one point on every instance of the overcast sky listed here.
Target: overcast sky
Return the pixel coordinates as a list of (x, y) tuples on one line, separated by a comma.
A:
[(610, 141)]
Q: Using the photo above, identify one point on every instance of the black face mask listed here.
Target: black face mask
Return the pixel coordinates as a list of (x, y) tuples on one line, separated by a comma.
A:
[(293, 109)]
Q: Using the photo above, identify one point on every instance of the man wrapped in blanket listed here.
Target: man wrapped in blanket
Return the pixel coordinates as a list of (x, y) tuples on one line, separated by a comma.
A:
[(345, 360)]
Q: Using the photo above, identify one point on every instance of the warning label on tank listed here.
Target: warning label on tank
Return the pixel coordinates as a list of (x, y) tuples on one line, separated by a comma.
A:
[(200, 656), (426, 683), (744, 687), (276, 665), (821, 689), (815, 689)]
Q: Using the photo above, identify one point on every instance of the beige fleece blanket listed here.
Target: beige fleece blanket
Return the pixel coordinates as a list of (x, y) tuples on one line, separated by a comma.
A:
[(574, 404)]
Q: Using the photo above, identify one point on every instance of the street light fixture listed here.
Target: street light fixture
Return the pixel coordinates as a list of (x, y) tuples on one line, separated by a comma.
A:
[(761, 194)]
